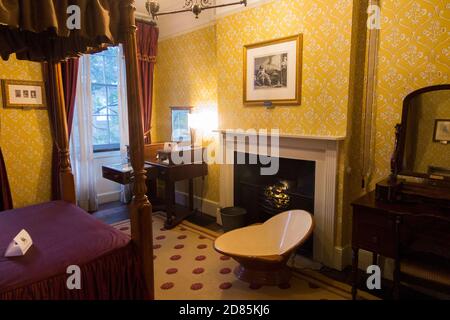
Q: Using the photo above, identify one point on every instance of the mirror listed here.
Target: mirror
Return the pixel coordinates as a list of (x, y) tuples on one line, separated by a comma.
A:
[(181, 131), (426, 130)]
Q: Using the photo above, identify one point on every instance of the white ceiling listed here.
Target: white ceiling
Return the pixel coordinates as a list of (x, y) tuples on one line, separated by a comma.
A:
[(172, 25), (164, 5)]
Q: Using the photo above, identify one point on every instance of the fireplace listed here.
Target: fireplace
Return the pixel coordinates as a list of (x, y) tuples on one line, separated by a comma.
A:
[(319, 154), (292, 187)]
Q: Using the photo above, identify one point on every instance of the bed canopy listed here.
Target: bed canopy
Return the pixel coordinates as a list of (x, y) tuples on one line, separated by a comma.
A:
[(37, 31)]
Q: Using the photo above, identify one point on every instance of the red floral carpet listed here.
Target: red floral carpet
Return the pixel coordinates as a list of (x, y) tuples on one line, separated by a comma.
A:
[(188, 267)]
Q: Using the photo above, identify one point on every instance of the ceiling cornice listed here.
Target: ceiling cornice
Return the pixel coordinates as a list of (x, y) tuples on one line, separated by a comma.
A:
[(167, 33)]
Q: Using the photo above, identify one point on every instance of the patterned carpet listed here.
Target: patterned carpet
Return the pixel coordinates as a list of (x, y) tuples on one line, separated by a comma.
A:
[(188, 267)]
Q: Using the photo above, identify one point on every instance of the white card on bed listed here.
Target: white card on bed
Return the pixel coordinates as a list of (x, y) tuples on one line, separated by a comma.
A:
[(20, 245)]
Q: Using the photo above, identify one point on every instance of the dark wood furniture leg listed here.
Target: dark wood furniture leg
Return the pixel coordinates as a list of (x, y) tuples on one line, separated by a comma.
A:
[(170, 203), (152, 187), (375, 259), (355, 252), (396, 290), (191, 195)]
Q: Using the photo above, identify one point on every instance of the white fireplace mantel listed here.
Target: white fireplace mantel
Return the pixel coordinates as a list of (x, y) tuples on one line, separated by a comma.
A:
[(283, 135), (320, 149)]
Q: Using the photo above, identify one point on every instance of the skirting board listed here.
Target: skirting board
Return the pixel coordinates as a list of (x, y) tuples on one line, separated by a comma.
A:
[(108, 197), (343, 258), (207, 206)]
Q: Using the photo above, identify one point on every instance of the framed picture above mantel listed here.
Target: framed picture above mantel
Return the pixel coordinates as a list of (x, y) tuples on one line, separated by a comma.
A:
[(273, 72), (23, 94)]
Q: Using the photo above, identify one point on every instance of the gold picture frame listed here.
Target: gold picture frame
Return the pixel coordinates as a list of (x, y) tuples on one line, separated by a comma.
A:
[(283, 84), (20, 94)]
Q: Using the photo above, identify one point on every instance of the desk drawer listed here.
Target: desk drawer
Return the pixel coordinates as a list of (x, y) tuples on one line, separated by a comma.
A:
[(121, 178), (182, 172), (374, 232)]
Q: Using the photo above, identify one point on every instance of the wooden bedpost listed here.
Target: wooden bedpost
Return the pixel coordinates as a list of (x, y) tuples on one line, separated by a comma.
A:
[(55, 97), (140, 207)]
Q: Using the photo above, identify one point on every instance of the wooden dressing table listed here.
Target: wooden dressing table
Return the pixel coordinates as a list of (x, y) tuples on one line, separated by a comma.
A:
[(397, 231), (407, 217)]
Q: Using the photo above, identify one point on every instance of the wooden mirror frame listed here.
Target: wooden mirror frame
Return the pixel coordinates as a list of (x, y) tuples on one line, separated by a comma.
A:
[(400, 153), (415, 183)]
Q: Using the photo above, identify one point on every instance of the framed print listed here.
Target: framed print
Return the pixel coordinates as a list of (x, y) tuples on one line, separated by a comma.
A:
[(273, 72), (442, 131), (23, 94)]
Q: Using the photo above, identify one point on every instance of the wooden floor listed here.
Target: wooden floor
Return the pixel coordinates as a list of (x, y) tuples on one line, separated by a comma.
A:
[(116, 211), (112, 212)]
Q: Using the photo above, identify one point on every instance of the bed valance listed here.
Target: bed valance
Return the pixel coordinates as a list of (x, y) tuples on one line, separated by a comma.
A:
[(37, 30)]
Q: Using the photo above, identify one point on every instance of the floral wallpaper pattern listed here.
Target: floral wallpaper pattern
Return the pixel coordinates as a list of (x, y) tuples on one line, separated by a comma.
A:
[(414, 53), (204, 68), (26, 141), (186, 75), (326, 28)]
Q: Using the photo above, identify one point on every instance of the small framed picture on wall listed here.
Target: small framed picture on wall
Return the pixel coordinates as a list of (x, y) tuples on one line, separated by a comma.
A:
[(23, 94), (273, 72), (442, 131)]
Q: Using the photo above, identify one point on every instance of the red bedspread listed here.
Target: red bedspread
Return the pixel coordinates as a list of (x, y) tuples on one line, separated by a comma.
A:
[(65, 235)]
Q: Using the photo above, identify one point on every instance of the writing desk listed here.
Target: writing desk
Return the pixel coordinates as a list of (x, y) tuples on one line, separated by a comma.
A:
[(123, 173), (170, 174)]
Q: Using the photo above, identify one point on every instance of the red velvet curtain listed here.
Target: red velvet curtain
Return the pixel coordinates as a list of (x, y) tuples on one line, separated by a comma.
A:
[(69, 69), (5, 196), (147, 43)]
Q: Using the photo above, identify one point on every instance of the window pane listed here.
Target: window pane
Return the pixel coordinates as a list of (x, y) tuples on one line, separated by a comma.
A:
[(97, 75), (105, 99), (100, 130), (111, 70), (112, 111), (114, 129), (113, 96), (112, 51), (98, 98)]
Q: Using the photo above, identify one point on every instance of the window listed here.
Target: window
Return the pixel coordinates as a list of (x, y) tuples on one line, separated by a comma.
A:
[(180, 124), (104, 75)]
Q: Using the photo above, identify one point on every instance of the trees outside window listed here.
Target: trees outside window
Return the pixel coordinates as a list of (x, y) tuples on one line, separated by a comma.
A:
[(104, 69)]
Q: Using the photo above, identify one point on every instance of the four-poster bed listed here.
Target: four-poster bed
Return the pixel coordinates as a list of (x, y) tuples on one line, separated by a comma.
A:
[(37, 31)]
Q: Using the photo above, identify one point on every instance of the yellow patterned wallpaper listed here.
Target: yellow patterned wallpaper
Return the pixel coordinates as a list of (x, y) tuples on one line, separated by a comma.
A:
[(186, 75), (26, 141), (326, 28), (205, 68), (414, 53)]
